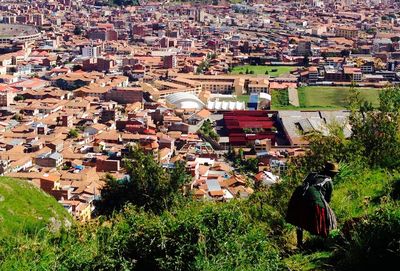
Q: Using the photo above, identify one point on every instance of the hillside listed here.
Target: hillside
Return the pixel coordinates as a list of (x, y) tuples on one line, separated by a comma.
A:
[(191, 235), (25, 208)]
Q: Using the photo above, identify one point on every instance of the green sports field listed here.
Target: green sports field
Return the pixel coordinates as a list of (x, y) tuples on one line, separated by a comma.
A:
[(333, 97), (262, 69)]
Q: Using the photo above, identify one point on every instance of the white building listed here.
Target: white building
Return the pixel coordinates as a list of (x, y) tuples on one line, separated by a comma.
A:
[(91, 51), (183, 100)]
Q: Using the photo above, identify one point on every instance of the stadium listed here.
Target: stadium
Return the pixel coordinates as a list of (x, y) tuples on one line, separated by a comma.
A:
[(10, 33)]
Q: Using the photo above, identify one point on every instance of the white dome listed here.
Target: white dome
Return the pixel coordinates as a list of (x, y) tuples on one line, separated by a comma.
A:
[(183, 100)]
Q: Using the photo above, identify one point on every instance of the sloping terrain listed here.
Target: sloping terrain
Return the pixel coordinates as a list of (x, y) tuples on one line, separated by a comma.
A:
[(25, 208)]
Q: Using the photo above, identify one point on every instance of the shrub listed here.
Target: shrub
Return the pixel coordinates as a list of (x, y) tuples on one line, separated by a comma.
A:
[(374, 242)]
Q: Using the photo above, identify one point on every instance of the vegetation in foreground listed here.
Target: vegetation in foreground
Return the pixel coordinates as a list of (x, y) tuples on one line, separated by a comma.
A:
[(25, 209), (242, 234)]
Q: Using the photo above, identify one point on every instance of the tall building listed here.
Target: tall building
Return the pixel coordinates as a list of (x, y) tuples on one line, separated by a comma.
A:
[(10, 19), (38, 19), (170, 62), (103, 34), (164, 42), (7, 95), (303, 48), (347, 32), (91, 51), (199, 15), (66, 121)]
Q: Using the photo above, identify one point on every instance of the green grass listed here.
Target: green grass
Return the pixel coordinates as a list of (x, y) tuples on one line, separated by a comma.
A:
[(357, 192), (323, 98), (333, 97), (243, 98), (308, 262), (280, 99), (361, 193), (25, 208), (262, 69)]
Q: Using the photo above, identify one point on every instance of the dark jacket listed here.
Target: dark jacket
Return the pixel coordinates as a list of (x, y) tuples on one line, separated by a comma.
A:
[(307, 208)]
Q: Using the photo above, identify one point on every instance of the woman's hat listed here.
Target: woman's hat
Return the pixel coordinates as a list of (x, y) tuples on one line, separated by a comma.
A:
[(332, 167)]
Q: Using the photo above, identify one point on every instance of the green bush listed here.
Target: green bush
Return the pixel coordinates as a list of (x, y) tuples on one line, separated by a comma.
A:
[(196, 236), (149, 185), (373, 243), (200, 236)]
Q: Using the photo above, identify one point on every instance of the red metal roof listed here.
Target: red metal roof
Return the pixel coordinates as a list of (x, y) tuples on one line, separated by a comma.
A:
[(236, 121)]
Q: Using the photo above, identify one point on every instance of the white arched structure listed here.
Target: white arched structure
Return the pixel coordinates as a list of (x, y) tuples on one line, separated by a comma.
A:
[(183, 100)]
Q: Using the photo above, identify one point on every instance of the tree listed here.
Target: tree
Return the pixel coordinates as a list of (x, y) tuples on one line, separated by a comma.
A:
[(322, 148), (178, 177), (252, 165), (371, 31), (126, 2), (395, 39), (345, 53), (17, 117), (207, 130), (73, 133), (306, 61), (19, 97), (148, 185), (203, 66), (374, 141), (377, 131), (212, 56), (77, 30), (76, 68)]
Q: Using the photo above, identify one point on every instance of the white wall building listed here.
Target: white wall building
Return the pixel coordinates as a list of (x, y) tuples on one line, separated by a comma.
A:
[(91, 51)]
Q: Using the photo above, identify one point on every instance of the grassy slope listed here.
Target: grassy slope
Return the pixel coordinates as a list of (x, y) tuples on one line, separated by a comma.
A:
[(361, 194), (25, 208), (261, 69), (332, 97), (355, 194)]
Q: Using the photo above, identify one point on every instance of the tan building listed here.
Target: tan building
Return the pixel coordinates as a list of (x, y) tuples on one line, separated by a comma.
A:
[(258, 86), (347, 32), (7, 95), (54, 159), (222, 84), (125, 95)]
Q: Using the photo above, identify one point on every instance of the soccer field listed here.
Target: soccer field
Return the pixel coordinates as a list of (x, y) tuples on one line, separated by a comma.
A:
[(262, 69), (333, 97)]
